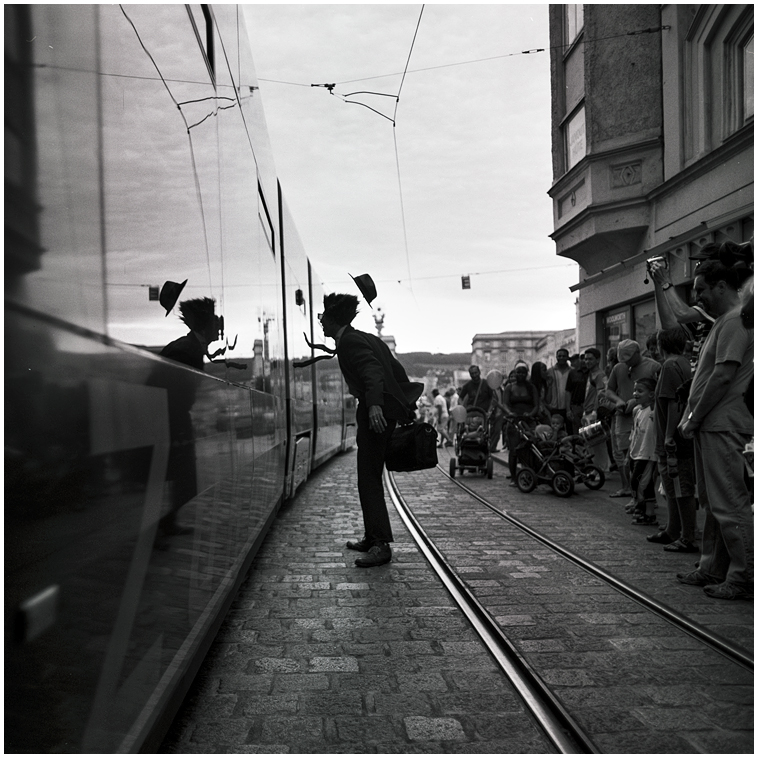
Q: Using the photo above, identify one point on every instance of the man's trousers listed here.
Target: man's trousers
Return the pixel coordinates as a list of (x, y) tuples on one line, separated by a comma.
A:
[(372, 450)]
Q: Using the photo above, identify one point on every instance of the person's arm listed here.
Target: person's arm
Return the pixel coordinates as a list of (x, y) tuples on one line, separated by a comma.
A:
[(672, 309), (368, 367), (610, 389), (713, 392), (535, 403), (506, 406)]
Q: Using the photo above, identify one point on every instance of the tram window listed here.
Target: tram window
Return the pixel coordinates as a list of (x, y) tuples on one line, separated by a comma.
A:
[(202, 22), (265, 220)]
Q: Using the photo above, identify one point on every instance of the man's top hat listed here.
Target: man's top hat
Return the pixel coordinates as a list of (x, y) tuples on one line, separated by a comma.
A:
[(366, 286), (170, 292)]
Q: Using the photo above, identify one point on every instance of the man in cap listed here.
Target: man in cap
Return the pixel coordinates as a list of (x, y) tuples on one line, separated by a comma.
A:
[(620, 389), (717, 419), (385, 396)]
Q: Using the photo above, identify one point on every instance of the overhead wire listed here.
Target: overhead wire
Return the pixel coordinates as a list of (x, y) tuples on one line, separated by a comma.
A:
[(585, 41), (191, 145), (397, 154)]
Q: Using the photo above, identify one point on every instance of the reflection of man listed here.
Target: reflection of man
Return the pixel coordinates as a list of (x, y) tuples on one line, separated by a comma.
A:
[(199, 315), (717, 418), (385, 396)]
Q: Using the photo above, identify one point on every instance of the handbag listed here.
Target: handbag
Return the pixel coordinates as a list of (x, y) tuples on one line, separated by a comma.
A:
[(412, 447)]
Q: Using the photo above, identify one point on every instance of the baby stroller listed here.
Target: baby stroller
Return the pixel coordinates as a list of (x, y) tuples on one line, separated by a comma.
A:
[(542, 462), (472, 442)]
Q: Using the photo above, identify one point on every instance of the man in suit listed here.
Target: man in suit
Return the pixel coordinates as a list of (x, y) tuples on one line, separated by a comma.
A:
[(385, 396)]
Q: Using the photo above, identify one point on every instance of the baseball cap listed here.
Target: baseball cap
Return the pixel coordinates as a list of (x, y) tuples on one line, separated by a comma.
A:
[(626, 349)]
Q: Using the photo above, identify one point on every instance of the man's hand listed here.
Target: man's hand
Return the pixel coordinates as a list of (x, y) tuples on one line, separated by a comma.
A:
[(687, 429), (660, 273), (376, 419)]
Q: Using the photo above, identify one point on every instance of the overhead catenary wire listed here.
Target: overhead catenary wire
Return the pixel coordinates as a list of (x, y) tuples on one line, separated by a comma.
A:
[(191, 145), (634, 33), (397, 154)]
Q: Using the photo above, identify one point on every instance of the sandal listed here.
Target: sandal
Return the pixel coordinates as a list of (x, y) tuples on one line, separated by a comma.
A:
[(682, 546)]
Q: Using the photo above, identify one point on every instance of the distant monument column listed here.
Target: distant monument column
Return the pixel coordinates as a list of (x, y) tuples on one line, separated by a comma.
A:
[(388, 339)]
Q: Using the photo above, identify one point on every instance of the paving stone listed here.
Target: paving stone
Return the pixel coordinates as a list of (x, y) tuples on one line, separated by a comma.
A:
[(391, 704), (344, 663), (318, 656), (423, 729)]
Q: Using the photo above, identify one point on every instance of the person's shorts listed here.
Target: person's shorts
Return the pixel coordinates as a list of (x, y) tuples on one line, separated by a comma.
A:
[(621, 439), (686, 468)]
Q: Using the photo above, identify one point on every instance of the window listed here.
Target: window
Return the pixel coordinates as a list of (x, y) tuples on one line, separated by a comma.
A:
[(748, 80), (202, 21), (574, 22), (575, 138)]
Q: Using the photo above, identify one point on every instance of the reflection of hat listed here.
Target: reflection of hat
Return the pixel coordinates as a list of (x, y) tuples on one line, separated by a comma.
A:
[(366, 286), (626, 349), (170, 292)]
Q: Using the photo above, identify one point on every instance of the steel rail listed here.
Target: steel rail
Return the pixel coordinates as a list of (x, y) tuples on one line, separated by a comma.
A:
[(558, 725), (720, 644)]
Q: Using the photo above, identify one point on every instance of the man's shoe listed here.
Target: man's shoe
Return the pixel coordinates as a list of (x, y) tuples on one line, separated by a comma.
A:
[(378, 555), (661, 537), (642, 520), (694, 578), (362, 546), (682, 546), (726, 591), (175, 530)]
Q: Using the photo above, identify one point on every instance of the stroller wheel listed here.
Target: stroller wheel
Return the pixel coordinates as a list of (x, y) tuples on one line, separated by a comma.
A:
[(490, 467), (526, 479), (593, 477), (562, 484), (452, 468)]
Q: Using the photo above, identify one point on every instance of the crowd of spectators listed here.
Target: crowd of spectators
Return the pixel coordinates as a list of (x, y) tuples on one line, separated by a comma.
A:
[(678, 416)]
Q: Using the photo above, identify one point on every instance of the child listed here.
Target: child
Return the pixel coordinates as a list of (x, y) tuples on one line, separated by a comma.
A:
[(642, 454)]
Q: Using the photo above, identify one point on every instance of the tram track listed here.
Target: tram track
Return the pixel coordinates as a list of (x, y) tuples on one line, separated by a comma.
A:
[(566, 732), (720, 644), (555, 721)]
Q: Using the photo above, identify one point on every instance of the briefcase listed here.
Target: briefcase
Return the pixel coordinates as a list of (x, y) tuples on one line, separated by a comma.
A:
[(412, 447)]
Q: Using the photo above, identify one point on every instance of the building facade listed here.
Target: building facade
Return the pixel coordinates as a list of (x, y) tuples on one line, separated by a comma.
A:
[(504, 350), (652, 136)]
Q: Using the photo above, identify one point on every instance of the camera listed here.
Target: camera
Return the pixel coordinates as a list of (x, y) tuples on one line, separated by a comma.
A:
[(654, 259)]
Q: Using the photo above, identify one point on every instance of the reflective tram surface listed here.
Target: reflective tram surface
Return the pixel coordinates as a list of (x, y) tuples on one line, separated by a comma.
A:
[(146, 453), (317, 655)]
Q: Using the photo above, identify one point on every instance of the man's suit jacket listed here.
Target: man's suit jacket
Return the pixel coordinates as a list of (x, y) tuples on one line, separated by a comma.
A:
[(375, 376)]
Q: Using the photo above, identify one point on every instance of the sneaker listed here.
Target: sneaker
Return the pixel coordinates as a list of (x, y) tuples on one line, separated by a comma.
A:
[(694, 578), (621, 493), (682, 546), (377, 555), (727, 591), (362, 546), (661, 537)]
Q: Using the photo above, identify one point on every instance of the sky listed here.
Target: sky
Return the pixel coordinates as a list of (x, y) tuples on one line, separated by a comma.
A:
[(458, 186)]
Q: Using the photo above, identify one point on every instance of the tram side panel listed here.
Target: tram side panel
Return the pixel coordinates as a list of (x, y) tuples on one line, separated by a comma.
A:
[(105, 624)]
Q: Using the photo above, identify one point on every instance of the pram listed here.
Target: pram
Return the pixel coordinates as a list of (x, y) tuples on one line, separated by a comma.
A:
[(472, 443), (559, 464)]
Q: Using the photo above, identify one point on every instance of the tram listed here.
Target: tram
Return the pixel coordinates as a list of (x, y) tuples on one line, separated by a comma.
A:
[(137, 154)]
